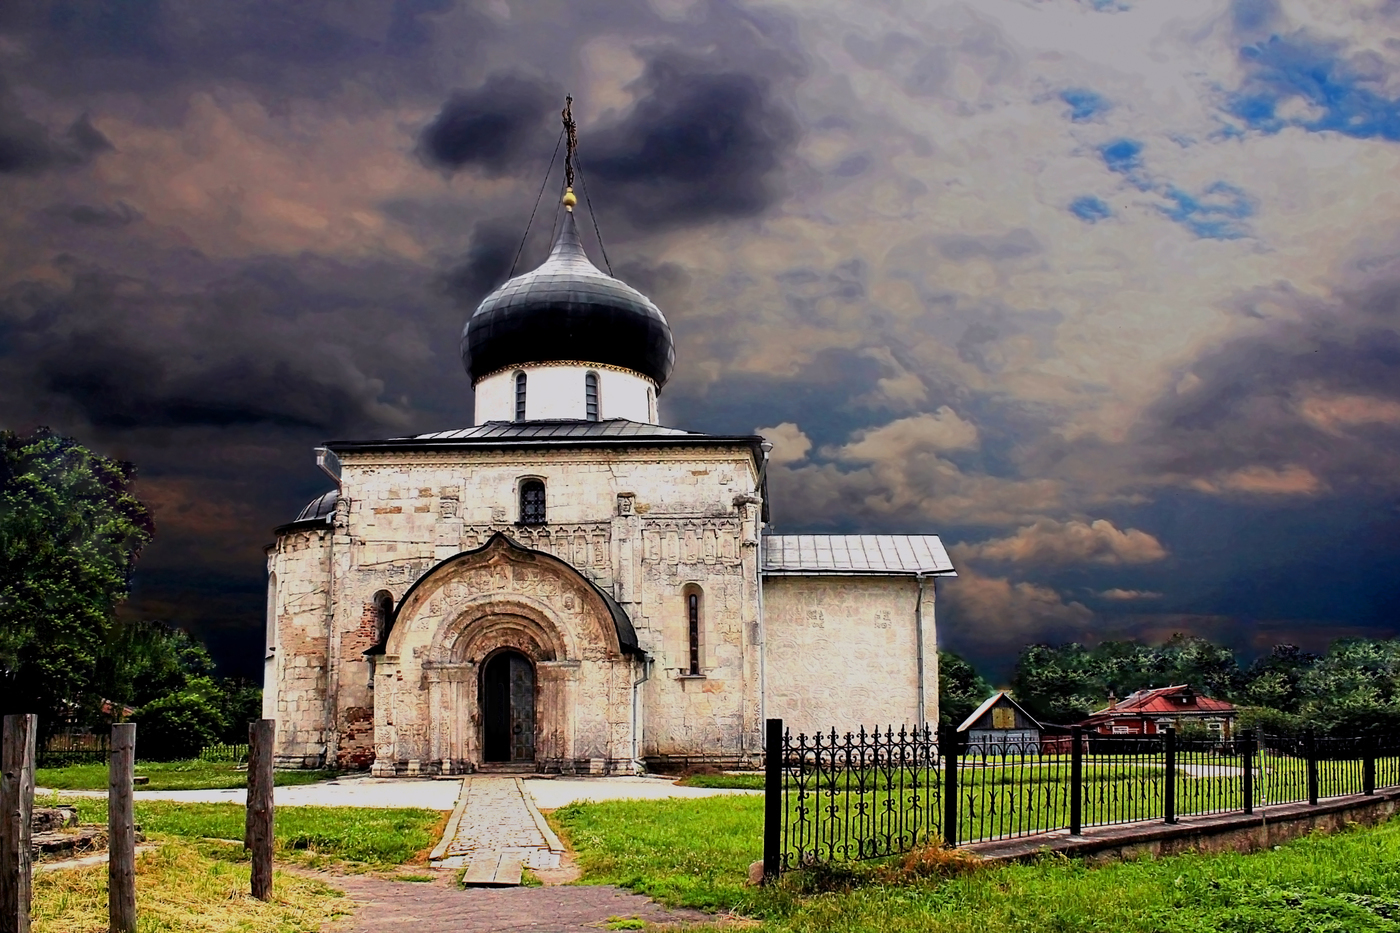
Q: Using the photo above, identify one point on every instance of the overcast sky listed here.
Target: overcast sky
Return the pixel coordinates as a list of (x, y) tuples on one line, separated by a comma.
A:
[(1104, 292)]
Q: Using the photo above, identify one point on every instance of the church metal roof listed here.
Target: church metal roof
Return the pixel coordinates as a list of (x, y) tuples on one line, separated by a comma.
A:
[(820, 555), (616, 427), (616, 432)]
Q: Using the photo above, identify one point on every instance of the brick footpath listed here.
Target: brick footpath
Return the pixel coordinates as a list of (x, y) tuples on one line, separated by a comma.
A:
[(497, 821), (442, 907)]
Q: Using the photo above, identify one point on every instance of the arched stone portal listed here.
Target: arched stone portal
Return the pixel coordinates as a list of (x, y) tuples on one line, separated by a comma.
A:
[(432, 685)]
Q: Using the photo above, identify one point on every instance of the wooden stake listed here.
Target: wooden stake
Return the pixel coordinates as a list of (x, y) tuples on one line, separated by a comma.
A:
[(16, 812), (121, 831), (258, 827)]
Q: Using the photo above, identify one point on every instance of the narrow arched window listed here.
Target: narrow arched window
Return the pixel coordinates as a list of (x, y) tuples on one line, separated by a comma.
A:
[(271, 616), (383, 613), (519, 396), (693, 608), (532, 502), (590, 396)]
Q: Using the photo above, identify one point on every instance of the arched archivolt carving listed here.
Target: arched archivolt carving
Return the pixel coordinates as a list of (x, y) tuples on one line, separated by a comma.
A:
[(489, 622), (568, 616)]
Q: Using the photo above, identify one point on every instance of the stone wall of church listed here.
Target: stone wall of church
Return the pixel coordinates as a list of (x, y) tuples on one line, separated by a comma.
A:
[(862, 627), (297, 673), (712, 713), (642, 524)]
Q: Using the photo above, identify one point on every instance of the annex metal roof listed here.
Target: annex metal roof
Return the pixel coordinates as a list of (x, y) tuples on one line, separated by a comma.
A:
[(812, 555)]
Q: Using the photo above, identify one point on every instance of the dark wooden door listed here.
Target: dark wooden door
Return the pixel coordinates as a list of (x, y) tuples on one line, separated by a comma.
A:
[(508, 708)]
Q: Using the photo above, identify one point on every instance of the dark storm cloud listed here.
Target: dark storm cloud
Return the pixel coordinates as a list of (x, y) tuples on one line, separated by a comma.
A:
[(487, 264), (27, 147), (1316, 389), (95, 215), (268, 344), (699, 146), (492, 126), (306, 48)]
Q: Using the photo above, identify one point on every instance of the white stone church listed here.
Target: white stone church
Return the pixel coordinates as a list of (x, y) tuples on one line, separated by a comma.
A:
[(570, 585)]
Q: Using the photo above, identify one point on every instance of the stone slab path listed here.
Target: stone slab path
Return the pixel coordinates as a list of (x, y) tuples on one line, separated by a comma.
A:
[(442, 907), (494, 831)]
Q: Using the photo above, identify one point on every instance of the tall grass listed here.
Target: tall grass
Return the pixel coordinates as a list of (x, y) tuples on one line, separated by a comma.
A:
[(180, 890)]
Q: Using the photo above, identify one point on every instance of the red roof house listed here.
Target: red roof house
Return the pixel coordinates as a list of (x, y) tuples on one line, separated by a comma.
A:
[(1148, 712)]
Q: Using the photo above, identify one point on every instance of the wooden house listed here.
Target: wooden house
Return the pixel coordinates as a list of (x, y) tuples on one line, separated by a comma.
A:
[(1001, 726), (1148, 712)]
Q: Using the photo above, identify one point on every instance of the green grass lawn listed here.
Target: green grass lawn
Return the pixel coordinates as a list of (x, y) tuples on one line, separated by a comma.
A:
[(696, 853), (366, 836), (168, 775)]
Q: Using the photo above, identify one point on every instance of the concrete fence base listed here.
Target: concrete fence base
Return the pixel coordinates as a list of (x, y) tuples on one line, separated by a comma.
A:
[(1224, 832)]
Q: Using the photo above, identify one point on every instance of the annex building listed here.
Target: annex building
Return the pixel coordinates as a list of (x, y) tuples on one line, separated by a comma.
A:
[(569, 584)]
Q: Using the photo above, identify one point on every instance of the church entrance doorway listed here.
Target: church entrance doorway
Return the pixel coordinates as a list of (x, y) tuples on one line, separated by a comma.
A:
[(508, 708)]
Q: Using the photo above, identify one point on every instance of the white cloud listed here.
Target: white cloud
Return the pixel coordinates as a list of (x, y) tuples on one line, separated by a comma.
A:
[(1050, 542), (907, 437), (1121, 595), (790, 445)]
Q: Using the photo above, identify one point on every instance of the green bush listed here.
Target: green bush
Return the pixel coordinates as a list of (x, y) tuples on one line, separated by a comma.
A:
[(181, 724)]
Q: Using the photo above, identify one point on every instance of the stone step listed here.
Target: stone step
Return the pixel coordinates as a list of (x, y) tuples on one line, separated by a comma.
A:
[(494, 870)]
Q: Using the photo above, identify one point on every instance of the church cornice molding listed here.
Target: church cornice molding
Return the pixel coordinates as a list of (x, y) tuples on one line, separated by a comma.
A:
[(668, 453)]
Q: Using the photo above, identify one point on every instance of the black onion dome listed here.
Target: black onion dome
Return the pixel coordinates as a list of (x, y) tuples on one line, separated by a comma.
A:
[(568, 309), (319, 508)]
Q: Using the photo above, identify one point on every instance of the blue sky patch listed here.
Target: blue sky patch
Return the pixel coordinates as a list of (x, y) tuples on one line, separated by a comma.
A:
[(1123, 156), (1084, 104), (1338, 97), (1217, 213), (1090, 209)]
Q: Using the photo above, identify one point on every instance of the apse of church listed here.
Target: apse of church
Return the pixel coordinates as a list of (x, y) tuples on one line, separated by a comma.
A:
[(570, 585)]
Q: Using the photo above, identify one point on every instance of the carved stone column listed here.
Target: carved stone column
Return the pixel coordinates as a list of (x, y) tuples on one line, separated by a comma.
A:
[(557, 711)]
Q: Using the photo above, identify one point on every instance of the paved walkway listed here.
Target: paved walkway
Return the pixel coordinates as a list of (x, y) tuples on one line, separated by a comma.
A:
[(550, 794), (442, 907), (493, 827), (349, 791)]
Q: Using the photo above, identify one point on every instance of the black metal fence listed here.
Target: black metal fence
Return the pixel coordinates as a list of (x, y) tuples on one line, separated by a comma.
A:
[(834, 797), (63, 750)]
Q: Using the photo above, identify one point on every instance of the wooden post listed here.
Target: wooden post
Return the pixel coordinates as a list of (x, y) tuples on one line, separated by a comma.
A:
[(121, 831), (773, 801), (1169, 788), (258, 828), (1076, 781), (16, 813)]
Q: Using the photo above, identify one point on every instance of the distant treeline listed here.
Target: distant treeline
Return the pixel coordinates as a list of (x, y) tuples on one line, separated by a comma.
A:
[(1352, 689)]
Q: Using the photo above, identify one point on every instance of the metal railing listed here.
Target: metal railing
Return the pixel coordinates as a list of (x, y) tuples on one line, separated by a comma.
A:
[(868, 794)]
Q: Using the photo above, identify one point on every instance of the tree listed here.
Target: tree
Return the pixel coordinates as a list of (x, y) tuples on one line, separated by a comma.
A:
[(960, 689), (146, 660), (1274, 681), (70, 533), (179, 724), (1057, 684)]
